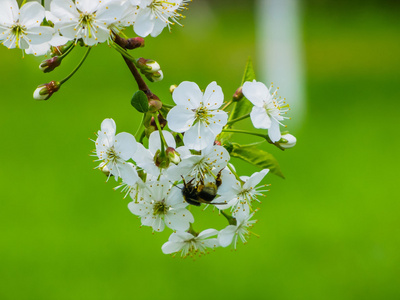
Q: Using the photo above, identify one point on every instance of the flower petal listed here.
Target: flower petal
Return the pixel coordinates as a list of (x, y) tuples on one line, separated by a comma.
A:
[(8, 11), (188, 94), (260, 118), (256, 92), (31, 14), (125, 145), (199, 136), (207, 233), (144, 22), (274, 132), (225, 236), (213, 96), (180, 118), (172, 247), (155, 142)]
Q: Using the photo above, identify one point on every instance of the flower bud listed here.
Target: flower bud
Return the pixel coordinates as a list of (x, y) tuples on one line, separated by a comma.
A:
[(173, 155), (148, 65), (106, 171), (238, 95), (155, 77), (50, 64), (172, 88), (133, 43), (287, 141), (45, 91), (155, 105), (161, 161)]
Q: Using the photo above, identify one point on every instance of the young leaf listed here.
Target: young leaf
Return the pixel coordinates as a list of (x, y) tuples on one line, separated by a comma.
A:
[(140, 102), (244, 106), (257, 157)]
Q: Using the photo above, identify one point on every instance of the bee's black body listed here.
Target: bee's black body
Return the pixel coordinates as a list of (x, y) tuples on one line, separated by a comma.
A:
[(202, 193)]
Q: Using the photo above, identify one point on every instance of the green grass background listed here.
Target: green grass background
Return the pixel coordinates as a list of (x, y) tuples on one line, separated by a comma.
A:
[(329, 231)]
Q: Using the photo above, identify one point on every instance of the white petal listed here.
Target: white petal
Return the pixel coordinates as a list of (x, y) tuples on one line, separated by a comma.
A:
[(109, 128), (211, 243), (260, 118), (218, 121), (207, 233), (198, 137), (179, 219), (155, 142), (64, 9), (8, 11), (256, 92), (188, 94), (255, 179), (38, 50), (139, 209), (110, 13), (172, 247), (129, 174), (87, 6), (125, 145), (274, 132), (225, 236), (159, 26), (144, 22), (180, 118), (39, 35), (31, 14), (219, 157), (180, 236), (175, 198), (213, 96)]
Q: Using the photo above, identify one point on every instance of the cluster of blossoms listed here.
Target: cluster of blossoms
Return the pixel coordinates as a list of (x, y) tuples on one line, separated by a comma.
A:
[(188, 165), (181, 157)]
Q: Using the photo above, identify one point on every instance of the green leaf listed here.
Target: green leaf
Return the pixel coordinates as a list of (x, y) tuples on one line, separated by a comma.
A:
[(244, 106), (257, 157), (140, 102)]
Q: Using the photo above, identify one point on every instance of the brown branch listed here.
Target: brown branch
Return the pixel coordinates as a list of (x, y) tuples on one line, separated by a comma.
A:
[(134, 43)]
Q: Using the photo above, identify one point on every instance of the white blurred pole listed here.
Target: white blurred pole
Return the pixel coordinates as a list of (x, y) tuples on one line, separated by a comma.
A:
[(280, 53)]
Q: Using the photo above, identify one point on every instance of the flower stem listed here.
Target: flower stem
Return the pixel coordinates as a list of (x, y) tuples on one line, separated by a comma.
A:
[(238, 119), (42, 1), (140, 126), (69, 49), (163, 142), (77, 67), (131, 65)]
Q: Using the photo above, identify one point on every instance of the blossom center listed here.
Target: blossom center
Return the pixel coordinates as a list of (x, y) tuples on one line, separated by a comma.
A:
[(202, 115), (160, 208), (112, 154), (18, 31)]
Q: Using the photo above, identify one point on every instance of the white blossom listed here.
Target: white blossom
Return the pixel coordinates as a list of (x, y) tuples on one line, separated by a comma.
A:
[(232, 232), (200, 168), (89, 20), (162, 204), (114, 150), (188, 243), (155, 15), (20, 28), (244, 194), (197, 114), (268, 110)]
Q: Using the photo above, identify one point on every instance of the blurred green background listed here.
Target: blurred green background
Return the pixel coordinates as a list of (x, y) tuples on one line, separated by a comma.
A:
[(330, 230)]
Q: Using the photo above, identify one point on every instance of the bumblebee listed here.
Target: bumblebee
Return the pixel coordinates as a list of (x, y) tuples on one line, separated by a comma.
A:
[(202, 193)]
